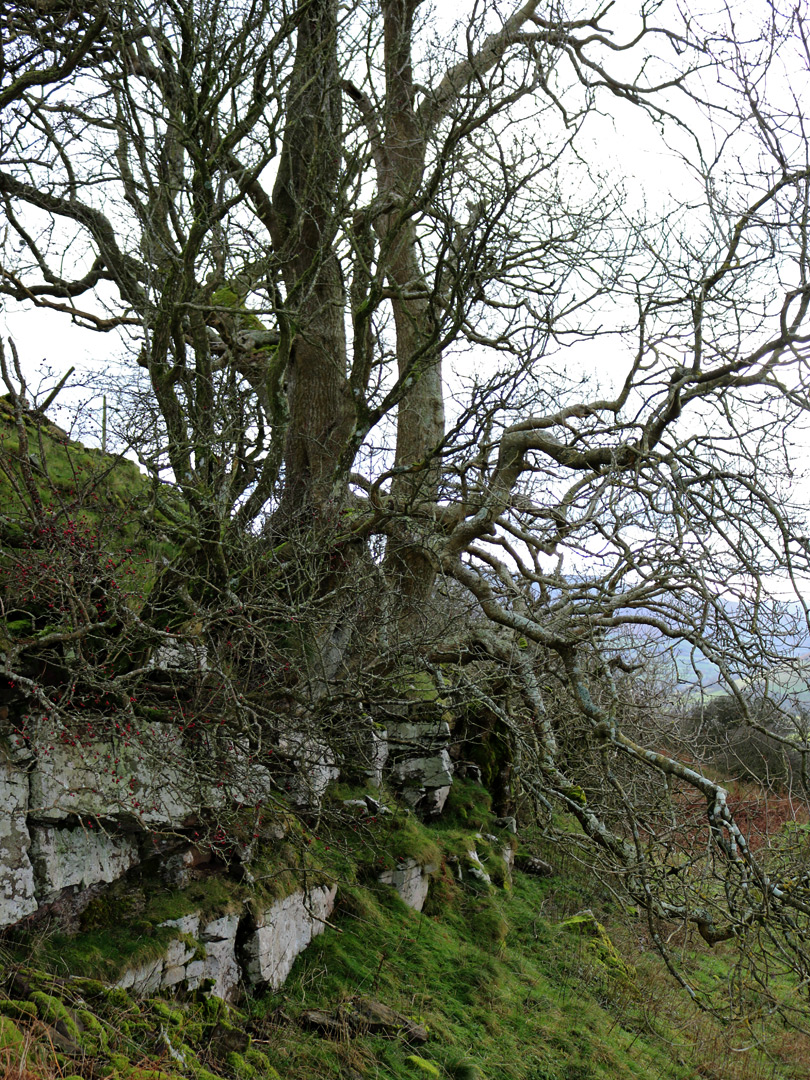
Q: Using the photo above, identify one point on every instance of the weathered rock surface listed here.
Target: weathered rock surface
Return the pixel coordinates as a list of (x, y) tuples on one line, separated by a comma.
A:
[(420, 762), (204, 954), (81, 814), (78, 815), (179, 656), (80, 857), (143, 979), (135, 779), (220, 964), (411, 881), (284, 930), (207, 954), (476, 868), (315, 767), (378, 753), (364, 1016), (532, 864), (17, 896), (142, 779)]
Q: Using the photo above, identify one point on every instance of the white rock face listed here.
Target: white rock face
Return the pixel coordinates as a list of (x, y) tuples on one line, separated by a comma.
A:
[(135, 776), (420, 763), (434, 799), (208, 951), (144, 979), (425, 781), (219, 940), (146, 778), (434, 772), (476, 867), (187, 924), (284, 930), (210, 955), (179, 655), (315, 767), (79, 856), (508, 856), (378, 754), (179, 955), (411, 880), (17, 897)]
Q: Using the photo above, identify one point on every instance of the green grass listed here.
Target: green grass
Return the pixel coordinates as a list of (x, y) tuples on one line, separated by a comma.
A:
[(67, 474), (500, 993), (509, 982)]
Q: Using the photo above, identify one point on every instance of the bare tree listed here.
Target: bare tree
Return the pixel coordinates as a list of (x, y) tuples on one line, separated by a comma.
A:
[(301, 213)]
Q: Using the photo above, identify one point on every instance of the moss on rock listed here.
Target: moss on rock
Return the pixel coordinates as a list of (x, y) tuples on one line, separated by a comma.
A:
[(11, 1038), (600, 947), (19, 1010), (55, 1012), (423, 1066)]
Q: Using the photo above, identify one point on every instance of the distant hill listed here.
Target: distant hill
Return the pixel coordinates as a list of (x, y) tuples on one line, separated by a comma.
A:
[(790, 678)]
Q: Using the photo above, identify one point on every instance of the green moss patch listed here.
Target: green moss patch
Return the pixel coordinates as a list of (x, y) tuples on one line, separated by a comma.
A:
[(22, 1010), (422, 1066), (11, 1038), (584, 925)]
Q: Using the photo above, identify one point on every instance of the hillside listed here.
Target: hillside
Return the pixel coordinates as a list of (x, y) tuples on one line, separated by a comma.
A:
[(178, 901), (522, 978)]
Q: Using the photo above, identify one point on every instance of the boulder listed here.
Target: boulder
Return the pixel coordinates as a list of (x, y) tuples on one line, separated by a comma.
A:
[(532, 864), (425, 781), (179, 656), (476, 868), (364, 1016), (284, 930), (411, 881)]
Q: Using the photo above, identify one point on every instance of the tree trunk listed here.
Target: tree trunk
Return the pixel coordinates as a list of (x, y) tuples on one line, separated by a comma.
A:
[(305, 201), (420, 417)]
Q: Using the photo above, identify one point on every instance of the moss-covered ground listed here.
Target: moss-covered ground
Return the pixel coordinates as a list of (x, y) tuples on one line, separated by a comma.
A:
[(70, 478), (532, 979)]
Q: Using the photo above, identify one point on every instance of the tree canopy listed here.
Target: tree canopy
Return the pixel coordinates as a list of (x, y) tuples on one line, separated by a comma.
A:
[(424, 384)]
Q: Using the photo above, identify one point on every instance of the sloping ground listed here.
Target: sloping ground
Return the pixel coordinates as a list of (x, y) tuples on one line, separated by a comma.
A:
[(70, 516), (490, 981), (68, 476), (520, 981)]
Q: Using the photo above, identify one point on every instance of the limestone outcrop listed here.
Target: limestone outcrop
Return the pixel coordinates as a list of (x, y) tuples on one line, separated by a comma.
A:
[(284, 930), (85, 810), (241, 948), (78, 857), (17, 895), (419, 760), (411, 881), (235, 949)]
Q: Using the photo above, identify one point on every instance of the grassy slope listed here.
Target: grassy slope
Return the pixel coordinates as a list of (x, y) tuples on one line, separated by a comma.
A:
[(67, 473), (505, 988), (506, 983)]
